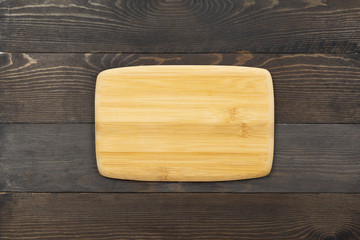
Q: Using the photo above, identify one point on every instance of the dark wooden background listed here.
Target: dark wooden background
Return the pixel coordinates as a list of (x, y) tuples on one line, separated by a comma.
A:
[(51, 53)]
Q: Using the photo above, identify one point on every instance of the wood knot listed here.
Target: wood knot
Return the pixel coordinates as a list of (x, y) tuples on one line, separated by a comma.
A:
[(232, 115), (164, 174), (244, 129)]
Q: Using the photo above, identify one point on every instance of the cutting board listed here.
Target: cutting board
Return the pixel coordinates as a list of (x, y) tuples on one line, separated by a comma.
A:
[(184, 123)]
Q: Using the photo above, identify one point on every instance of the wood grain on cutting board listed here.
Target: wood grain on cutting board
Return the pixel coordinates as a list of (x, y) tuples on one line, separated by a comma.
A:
[(184, 123)]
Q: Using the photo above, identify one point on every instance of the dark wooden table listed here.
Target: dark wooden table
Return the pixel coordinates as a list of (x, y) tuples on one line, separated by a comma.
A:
[(51, 53)]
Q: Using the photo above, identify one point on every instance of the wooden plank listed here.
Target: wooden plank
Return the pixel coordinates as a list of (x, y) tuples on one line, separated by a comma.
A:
[(59, 88), (61, 158), (180, 26), (179, 216)]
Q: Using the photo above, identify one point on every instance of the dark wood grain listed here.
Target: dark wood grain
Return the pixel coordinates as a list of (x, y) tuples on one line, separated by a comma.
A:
[(277, 26), (61, 158), (59, 88), (180, 216)]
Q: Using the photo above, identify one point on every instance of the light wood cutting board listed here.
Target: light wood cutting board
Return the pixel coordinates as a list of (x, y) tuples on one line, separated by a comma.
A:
[(184, 123)]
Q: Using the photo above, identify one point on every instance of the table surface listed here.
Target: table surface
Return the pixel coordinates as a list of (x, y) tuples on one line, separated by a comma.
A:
[(50, 55)]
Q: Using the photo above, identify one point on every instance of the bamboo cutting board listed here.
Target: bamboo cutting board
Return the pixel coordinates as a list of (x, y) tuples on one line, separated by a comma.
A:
[(184, 123)]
